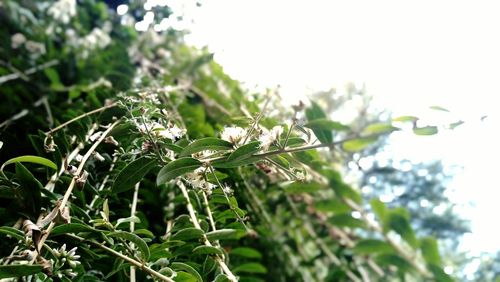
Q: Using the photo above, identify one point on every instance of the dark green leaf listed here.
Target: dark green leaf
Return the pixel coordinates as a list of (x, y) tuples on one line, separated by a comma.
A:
[(300, 187), (333, 205), (372, 246), (358, 144), (221, 278), (346, 220), (132, 174), (427, 130), (175, 148), (246, 252), (251, 267), (327, 125), (188, 234), (391, 259), (14, 233), (209, 143), (185, 267), (18, 270), (244, 152), (138, 241), (243, 162), (30, 159), (177, 168), (182, 276), (207, 250), (71, 228), (225, 234), (398, 221), (314, 112), (30, 191)]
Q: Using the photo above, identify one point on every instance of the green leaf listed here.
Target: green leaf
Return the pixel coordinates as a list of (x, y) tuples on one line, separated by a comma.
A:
[(456, 124), (405, 119), (30, 159), (71, 228), (175, 148), (185, 267), (14, 233), (138, 241), (251, 267), (30, 191), (440, 275), (132, 173), (346, 220), (359, 144), (439, 108), (427, 130), (378, 128), (182, 276), (18, 270), (397, 220), (334, 205), (327, 125), (392, 259), (222, 278), (430, 251), (246, 252), (177, 168), (209, 143), (372, 246), (300, 187), (315, 112), (207, 250), (243, 162), (244, 152), (188, 234), (225, 234), (379, 209)]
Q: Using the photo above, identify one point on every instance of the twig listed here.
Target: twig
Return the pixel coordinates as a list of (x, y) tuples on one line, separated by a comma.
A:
[(72, 185), (50, 132), (257, 119), (194, 219), (24, 75), (233, 209), (133, 209), (134, 262)]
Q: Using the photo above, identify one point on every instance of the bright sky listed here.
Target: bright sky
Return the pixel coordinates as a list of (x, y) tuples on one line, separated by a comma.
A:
[(411, 55)]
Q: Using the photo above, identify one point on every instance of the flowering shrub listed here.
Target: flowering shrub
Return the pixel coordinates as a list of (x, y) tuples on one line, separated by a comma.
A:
[(139, 155)]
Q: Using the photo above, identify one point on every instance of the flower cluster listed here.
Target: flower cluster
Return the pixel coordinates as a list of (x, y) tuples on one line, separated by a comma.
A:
[(268, 137), (171, 131), (63, 10), (233, 134), (197, 180)]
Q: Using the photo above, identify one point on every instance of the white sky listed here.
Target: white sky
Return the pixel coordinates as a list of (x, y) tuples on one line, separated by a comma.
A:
[(411, 55)]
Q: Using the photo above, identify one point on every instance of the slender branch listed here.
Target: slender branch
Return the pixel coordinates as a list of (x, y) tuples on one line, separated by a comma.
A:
[(209, 212), (72, 185), (233, 209), (134, 262), (50, 132), (196, 224), (24, 75), (133, 210), (256, 121)]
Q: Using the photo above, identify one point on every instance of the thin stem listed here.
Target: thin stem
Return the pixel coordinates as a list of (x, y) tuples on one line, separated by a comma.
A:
[(132, 261), (196, 224), (133, 210), (289, 133), (209, 212), (72, 185), (233, 209), (24, 75), (256, 122), (50, 132)]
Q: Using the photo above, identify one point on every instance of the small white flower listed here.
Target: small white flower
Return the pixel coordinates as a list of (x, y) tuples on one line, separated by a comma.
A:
[(63, 10), (233, 134), (227, 189), (17, 40), (35, 48), (267, 138), (95, 136)]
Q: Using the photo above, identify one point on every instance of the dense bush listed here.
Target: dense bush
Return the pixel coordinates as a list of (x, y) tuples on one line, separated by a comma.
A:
[(132, 156)]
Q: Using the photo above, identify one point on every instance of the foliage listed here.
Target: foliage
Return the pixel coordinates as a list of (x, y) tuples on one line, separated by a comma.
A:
[(168, 170)]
